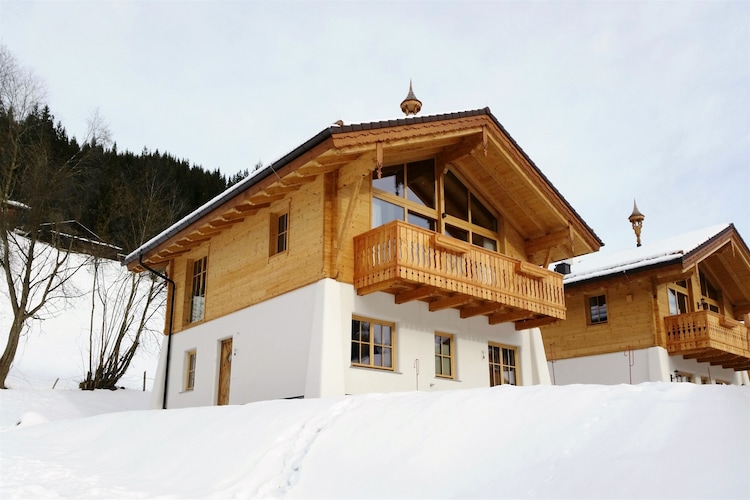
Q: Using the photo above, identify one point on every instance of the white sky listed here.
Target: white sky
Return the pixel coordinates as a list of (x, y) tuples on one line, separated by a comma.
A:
[(612, 100)]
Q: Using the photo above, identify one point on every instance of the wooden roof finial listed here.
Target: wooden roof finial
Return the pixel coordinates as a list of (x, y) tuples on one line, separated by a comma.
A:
[(411, 105), (636, 220)]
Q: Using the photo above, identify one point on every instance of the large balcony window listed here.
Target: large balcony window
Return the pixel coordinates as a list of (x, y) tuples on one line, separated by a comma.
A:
[(416, 193)]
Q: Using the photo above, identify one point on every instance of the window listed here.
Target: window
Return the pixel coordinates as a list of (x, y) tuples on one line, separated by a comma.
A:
[(190, 371), (279, 239), (709, 295), (372, 343), (409, 192), (444, 355), (198, 291), (503, 368), (678, 297), (597, 309)]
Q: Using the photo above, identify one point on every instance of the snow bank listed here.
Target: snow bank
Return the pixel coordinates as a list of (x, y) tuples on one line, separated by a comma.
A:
[(652, 440)]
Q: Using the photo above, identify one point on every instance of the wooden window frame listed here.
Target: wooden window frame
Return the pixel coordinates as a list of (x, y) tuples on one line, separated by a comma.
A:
[(451, 355), (706, 301), (679, 290), (198, 283), (587, 304), (275, 246), (467, 225), (373, 345), (190, 363), (502, 365)]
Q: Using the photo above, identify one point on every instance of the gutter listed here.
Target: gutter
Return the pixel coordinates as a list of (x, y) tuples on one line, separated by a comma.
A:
[(169, 329)]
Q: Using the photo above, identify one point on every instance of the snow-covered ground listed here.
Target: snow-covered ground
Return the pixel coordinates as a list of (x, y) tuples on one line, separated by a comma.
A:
[(646, 441)]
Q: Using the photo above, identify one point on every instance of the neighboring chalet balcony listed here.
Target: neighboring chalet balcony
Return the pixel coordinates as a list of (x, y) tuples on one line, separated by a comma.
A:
[(709, 337), (417, 264)]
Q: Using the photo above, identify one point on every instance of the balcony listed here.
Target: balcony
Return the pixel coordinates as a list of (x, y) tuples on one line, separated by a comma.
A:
[(709, 337), (417, 264)]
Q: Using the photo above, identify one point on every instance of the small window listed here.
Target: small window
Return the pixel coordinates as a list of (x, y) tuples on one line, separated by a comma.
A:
[(679, 376), (444, 355), (190, 371), (198, 290), (503, 368), (597, 309), (372, 343), (279, 232)]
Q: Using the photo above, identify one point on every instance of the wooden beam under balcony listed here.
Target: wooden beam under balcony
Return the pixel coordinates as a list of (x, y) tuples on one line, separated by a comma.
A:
[(418, 293), (450, 302)]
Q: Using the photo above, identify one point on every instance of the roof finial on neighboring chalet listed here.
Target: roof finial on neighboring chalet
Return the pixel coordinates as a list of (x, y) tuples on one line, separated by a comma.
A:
[(411, 105), (636, 220)]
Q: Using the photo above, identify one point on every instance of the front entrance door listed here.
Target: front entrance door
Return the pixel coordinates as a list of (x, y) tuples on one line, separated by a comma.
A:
[(225, 371)]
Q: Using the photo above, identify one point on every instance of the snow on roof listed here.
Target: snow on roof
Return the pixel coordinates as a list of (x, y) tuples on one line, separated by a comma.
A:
[(600, 264)]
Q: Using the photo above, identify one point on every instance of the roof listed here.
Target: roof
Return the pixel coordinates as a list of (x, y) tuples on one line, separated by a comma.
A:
[(674, 249), (316, 140)]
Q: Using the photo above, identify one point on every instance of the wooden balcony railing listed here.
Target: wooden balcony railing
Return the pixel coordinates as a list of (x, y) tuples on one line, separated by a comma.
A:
[(709, 337), (416, 263)]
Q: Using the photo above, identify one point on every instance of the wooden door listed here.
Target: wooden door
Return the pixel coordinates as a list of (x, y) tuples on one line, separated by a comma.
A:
[(225, 371)]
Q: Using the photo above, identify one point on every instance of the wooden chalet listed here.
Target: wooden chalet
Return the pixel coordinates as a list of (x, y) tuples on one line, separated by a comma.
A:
[(373, 245), (674, 310)]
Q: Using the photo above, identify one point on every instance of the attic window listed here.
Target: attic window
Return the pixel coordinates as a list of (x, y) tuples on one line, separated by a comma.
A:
[(597, 309)]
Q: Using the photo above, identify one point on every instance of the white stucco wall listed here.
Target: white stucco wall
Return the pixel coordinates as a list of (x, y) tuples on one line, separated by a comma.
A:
[(648, 365), (415, 330), (299, 344), (271, 346)]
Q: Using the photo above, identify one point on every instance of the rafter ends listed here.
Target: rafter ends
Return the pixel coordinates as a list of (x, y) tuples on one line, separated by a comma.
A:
[(280, 189), (295, 179), (226, 220)]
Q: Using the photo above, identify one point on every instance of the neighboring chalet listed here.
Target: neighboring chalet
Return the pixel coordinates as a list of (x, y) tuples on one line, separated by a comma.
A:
[(674, 310), (387, 256)]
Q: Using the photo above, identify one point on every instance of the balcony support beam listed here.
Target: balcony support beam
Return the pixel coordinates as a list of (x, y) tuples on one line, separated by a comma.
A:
[(489, 308), (418, 293), (510, 316), (455, 301)]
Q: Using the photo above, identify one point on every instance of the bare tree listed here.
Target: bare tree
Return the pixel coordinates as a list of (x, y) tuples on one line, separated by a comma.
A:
[(34, 185), (121, 307)]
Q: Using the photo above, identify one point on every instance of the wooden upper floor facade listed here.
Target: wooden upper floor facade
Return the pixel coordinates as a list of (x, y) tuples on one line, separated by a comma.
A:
[(692, 298), (445, 209)]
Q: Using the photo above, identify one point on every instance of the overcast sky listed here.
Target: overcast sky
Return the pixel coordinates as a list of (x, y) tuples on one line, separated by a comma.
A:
[(612, 100)]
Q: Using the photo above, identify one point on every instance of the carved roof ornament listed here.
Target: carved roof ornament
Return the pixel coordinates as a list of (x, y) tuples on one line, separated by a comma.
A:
[(636, 220), (411, 105)]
